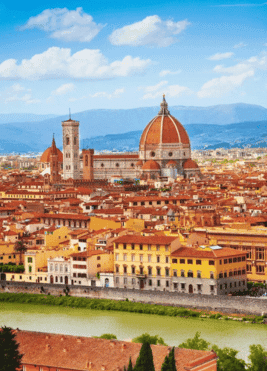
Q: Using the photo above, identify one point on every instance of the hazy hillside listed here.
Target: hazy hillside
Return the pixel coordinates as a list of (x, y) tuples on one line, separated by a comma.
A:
[(205, 125), (23, 117)]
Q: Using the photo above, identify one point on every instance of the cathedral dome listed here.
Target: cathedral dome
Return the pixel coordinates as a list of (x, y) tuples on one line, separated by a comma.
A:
[(151, 165), (190, 164), (163, 129), (45, 158)]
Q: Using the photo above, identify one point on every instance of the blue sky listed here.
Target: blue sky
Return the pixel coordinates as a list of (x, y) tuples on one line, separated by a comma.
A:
[(102, 54)]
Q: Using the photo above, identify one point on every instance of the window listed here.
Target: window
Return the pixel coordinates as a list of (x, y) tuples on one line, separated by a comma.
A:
[(149, 258), (174, 261), (167, 272), (230, 274), (167, 284), (158, 259), (220, 262), (124, 269), (116, 257), (211, 288), (141, 258), (243, 258), (30, 268), (158, 282), (220, 275), (117, 269), (249, 252), (249, 268), (190, 274), (149, 271), (141, 247), (149, 282), (225, 285), (198, 274), (117, 280), (174, 272), (225, 261), (132, 246), (124, 246), (182, 273), (166, 248), (29, 260), (243, 271), (239, 259), (189, 261), (260, 269), (211, 262), (98, 258), (132, 257), (259, 253), (182, 261), (225, 274), (198, 262), (133, 269), (149, 247), (199, 287), (182, 286), (133, 281), (125, 281), (212, 275), (158, 271), (125, 257), (166, 259), (158, 247), (230, 260)]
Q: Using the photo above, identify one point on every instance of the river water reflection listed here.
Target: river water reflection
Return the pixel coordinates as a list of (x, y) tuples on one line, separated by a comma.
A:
[(173, 330)]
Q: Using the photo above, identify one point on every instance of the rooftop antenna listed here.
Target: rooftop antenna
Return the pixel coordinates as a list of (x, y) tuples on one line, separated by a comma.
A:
[(69, 114)]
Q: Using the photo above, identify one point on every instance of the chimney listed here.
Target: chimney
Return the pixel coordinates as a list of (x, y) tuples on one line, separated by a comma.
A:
[(47, 347)]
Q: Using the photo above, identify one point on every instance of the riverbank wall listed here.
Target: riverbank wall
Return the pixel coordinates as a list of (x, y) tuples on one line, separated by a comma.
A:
[(223, 304)]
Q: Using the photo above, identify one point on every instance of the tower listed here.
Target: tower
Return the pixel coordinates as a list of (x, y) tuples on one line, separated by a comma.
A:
[(54, 175), (88, 164), (71, 155)]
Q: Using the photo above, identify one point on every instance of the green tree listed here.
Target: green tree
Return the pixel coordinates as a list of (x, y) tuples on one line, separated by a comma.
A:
[(10, 358), (146, 338), (145, 359), (106, 336), (169, 362), (227, 360), (195, 343), (130, 366), (20, 247), (258, 358)]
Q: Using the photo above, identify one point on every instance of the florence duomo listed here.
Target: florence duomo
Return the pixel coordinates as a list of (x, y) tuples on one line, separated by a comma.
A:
[(164, 151)]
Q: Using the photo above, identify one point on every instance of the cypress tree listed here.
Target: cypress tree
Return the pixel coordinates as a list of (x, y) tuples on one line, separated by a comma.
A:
[(165, 365), (169, 362), (130, 367), (145, 359), (10, 358)]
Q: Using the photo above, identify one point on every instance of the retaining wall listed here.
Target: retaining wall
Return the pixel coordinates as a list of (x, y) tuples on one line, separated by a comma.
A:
[(224, 304)]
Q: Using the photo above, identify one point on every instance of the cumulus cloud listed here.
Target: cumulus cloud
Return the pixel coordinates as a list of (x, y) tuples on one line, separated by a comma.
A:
[(57, 63), (18, 93), (222, 85), (63, 89), (64, 24), (220, 56), (240, 45), (155, 91), (151, 31), (102, 94), (252, 63), (168, 72)]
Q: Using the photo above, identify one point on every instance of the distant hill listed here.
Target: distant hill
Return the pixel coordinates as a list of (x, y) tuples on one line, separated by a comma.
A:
[(206, 126), (23, 117)]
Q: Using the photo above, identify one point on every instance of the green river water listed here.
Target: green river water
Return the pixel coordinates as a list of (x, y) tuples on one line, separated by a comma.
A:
[(173, 330)]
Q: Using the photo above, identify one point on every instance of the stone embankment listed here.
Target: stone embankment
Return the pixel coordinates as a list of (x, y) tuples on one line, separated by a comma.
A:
[(223, 304)]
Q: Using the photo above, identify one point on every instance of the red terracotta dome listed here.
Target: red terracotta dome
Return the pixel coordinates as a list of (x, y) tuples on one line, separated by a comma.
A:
[(164, 129), (46, 155), (151, 165), (171, 163), (190, 164)]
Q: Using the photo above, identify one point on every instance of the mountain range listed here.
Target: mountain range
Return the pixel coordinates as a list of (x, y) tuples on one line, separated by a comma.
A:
[(104, 129)]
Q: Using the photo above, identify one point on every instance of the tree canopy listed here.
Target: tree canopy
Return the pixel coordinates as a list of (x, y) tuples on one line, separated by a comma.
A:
[(149, 339), (145, 359), (10, 358)]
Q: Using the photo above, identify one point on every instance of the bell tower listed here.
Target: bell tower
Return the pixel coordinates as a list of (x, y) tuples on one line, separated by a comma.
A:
[(54, 175), (71, 153)]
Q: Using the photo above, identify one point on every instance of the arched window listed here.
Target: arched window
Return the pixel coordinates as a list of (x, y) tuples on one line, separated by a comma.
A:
[(86, 160), (75, 141), (67, 140)]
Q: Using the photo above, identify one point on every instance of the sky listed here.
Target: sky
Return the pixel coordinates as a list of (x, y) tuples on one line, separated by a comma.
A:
[(102, 54)]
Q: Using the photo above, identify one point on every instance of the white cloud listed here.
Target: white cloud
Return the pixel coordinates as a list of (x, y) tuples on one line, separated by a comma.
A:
[(252, 63), (64, 24), (102, 94), (155, 91), (151, 31), (17, 93), (240, 45), (220, 56), (63, 89), (57, 63), (168, 72), (223, 85)]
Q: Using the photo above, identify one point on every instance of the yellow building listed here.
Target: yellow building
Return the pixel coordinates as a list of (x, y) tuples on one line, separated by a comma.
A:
[(56, 237), (8, 254), (143, 261), (208, 270)]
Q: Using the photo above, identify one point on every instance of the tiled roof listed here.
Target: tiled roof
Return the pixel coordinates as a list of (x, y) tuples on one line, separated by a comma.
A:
[(206, 254), (82, 353), (157, 240)]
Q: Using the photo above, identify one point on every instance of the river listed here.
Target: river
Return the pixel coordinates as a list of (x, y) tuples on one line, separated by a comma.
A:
[(124, 325)]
